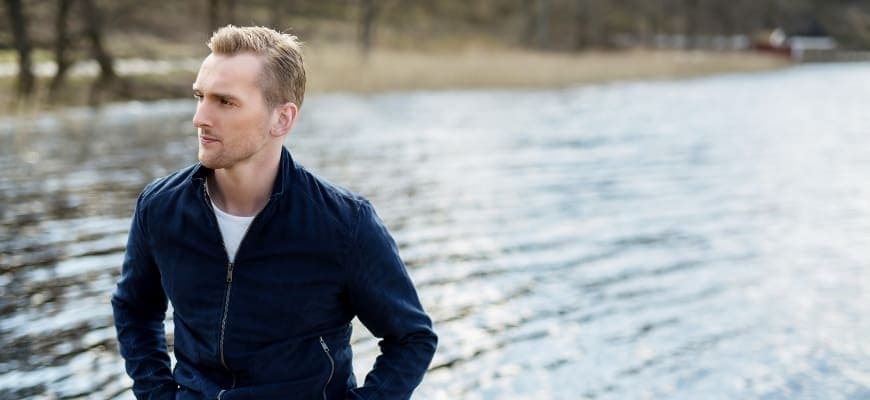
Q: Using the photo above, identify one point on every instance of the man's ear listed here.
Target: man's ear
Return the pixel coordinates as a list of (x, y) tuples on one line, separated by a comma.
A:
[(287, 114)]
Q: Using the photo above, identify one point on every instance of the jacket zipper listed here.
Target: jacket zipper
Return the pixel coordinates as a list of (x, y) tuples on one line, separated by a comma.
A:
[(229, 280), (331, 365), (225, 312), (230, 266)]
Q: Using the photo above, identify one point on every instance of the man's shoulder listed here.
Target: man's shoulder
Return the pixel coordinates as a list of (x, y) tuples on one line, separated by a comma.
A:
[(338, 201), (167, 185)]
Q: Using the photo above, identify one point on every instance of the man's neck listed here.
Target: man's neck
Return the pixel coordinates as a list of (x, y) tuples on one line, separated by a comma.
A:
[(244, 189)]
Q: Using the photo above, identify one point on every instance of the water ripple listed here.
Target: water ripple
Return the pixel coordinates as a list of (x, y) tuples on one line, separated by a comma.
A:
[(690, 239)]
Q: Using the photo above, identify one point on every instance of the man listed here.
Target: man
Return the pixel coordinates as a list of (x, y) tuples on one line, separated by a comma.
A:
[(264, 263)]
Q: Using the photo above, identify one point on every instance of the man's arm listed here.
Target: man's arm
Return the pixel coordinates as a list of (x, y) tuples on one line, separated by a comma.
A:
[(383, 297), (139, 306)]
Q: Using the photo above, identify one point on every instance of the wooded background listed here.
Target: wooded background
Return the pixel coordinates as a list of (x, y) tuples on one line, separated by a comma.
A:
[(67, 31)]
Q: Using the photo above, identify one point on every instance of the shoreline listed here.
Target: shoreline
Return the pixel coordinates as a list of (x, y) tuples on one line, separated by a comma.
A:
[(340, 69), (390, 70)]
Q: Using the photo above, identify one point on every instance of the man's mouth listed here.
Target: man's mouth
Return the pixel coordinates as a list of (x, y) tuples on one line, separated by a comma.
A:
[(207, 139)]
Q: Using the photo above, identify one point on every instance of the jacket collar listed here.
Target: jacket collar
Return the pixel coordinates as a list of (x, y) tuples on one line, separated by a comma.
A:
[(286, 167)]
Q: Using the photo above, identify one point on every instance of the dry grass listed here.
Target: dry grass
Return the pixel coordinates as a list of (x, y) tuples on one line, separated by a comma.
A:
[(336, 68), (340, 68)]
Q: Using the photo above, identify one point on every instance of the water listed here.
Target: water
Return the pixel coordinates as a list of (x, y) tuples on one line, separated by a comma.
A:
[(692, 239)]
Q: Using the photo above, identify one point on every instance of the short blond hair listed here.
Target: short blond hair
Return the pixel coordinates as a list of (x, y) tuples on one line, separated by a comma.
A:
[(282, 79)]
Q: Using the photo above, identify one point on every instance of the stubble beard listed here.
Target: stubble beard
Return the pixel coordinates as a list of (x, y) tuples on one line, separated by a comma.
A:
[(226, 157), (213, 159)]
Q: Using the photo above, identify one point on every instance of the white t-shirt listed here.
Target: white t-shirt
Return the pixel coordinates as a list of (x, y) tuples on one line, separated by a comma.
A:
[(233, 229)]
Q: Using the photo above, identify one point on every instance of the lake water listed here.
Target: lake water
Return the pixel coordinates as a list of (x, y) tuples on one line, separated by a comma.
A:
[(705, 238)]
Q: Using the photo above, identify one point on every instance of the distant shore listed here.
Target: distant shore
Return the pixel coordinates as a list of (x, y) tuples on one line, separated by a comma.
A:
[(388, 70), (339, 68)]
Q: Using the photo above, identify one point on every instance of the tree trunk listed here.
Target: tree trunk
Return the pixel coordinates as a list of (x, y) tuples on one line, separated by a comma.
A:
[(94, 32), (220, 13), (657, 23), (26, 80), (61, 44), (528, 11), (580, 40), (368, 15), (279, 8), (213, 15), (590, 18), (542, 24), (587, 24), (230, 16), (691, 23)]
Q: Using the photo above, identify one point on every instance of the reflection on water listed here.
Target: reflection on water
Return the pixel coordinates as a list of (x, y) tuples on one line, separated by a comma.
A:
[(695, 239), (64, 213)]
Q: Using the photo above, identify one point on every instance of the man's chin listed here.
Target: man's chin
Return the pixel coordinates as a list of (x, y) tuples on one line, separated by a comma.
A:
[(210, 163)]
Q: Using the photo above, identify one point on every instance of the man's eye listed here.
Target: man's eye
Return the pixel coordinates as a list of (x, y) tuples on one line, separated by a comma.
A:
[(226, 102), (197, 96)]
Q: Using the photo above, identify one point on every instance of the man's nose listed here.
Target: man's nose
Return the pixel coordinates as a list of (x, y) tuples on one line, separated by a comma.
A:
[(201, 117)]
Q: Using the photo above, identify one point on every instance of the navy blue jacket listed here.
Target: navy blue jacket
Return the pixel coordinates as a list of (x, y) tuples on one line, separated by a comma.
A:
[(276, 323)]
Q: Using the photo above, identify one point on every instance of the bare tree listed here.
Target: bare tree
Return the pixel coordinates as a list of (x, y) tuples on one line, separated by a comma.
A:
[(368, 15), (581, 24), (230, 15), (542, 23), (537, 25), (23, 46), (590, 20), (94, 33), (213, 15), (279, 9), (220, 13), (690, 24), (62, 43)]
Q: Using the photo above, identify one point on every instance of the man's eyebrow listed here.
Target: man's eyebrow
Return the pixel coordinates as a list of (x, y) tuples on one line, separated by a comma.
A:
[(216, 94)]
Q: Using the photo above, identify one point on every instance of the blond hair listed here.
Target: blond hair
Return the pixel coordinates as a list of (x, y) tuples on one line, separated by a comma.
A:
[(282, 79)]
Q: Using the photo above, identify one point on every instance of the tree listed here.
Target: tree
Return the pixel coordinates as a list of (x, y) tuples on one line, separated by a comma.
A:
[(279, 9), (213, 15), (26, 79), (590, 19), (220, 13), (542, 24), (691, 27), (94, 33), (62, 43), (368, 15)]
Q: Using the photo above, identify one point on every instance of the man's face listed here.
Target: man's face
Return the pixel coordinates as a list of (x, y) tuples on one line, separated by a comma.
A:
[(231, 118)]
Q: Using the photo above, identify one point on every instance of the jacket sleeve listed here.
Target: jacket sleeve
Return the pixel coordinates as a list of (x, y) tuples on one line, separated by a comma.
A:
[(383, 297), (139, 307)]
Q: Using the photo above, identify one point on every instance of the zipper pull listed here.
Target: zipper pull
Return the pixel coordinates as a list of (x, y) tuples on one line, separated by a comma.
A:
[(229, 272), (323, 344)]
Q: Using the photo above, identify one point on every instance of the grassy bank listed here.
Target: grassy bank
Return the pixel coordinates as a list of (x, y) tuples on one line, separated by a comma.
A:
[(340, 68), (388, 70)]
